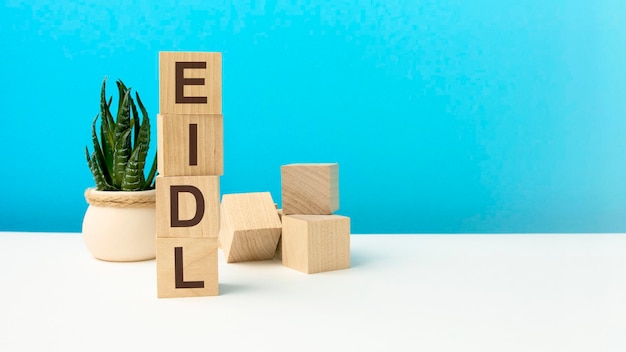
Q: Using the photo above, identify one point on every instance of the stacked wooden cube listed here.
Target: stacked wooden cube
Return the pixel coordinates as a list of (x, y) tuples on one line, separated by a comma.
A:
[(313, 238), (190, 160)]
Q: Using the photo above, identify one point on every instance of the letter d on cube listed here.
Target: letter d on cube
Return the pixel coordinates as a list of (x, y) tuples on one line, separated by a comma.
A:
[(175, 207), (187, 206)]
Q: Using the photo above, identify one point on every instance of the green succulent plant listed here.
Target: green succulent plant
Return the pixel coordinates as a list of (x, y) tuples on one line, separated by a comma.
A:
[(119, 157)]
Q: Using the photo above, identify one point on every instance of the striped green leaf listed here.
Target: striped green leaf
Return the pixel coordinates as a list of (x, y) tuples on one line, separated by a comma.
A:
[(133, 176), (121, 155), (98, 154), (96, 171), (107, 126)]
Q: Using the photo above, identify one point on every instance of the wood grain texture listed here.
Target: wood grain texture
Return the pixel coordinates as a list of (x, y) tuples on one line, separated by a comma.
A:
[(208, 224), (176, 153), (310, 188), (210, 88), (316, 243), (199, 264), (250, 227), (279, 248)]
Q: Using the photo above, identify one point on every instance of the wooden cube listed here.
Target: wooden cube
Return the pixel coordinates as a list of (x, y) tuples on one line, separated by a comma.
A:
[(187, 267), (190, 83), (250, 227), (187, 206), (190, 145), (310, 188), (316, 243)]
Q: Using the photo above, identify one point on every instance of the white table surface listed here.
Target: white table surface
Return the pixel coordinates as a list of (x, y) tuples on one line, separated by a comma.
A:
[(403, 293)]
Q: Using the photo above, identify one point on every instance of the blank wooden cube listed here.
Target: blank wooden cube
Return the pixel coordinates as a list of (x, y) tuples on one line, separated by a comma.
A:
[(316, 243), (190, 145), (187, 206), (190, 83), (187, 267), (250, 227), (310, 188)]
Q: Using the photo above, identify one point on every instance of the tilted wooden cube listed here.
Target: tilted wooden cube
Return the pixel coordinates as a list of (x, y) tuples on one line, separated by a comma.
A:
[(187, 267), (187, 206), (310, 188), (190, 83), (190, 145), (250, 227), (316, 243)]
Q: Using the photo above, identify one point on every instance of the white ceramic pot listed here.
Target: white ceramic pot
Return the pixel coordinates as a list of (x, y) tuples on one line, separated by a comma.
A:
[(120, 234)]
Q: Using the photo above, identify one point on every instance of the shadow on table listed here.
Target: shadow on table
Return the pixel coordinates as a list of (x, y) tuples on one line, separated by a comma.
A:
[(360, 258), (227, 289)]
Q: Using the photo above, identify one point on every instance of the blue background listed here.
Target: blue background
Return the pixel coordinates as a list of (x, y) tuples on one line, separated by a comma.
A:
[(445, 116)]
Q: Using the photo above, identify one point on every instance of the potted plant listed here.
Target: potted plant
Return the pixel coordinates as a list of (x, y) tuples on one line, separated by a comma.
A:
[(119, 224)]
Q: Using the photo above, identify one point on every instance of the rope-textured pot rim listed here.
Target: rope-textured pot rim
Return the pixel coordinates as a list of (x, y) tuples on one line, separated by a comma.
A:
[(121, 199)]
